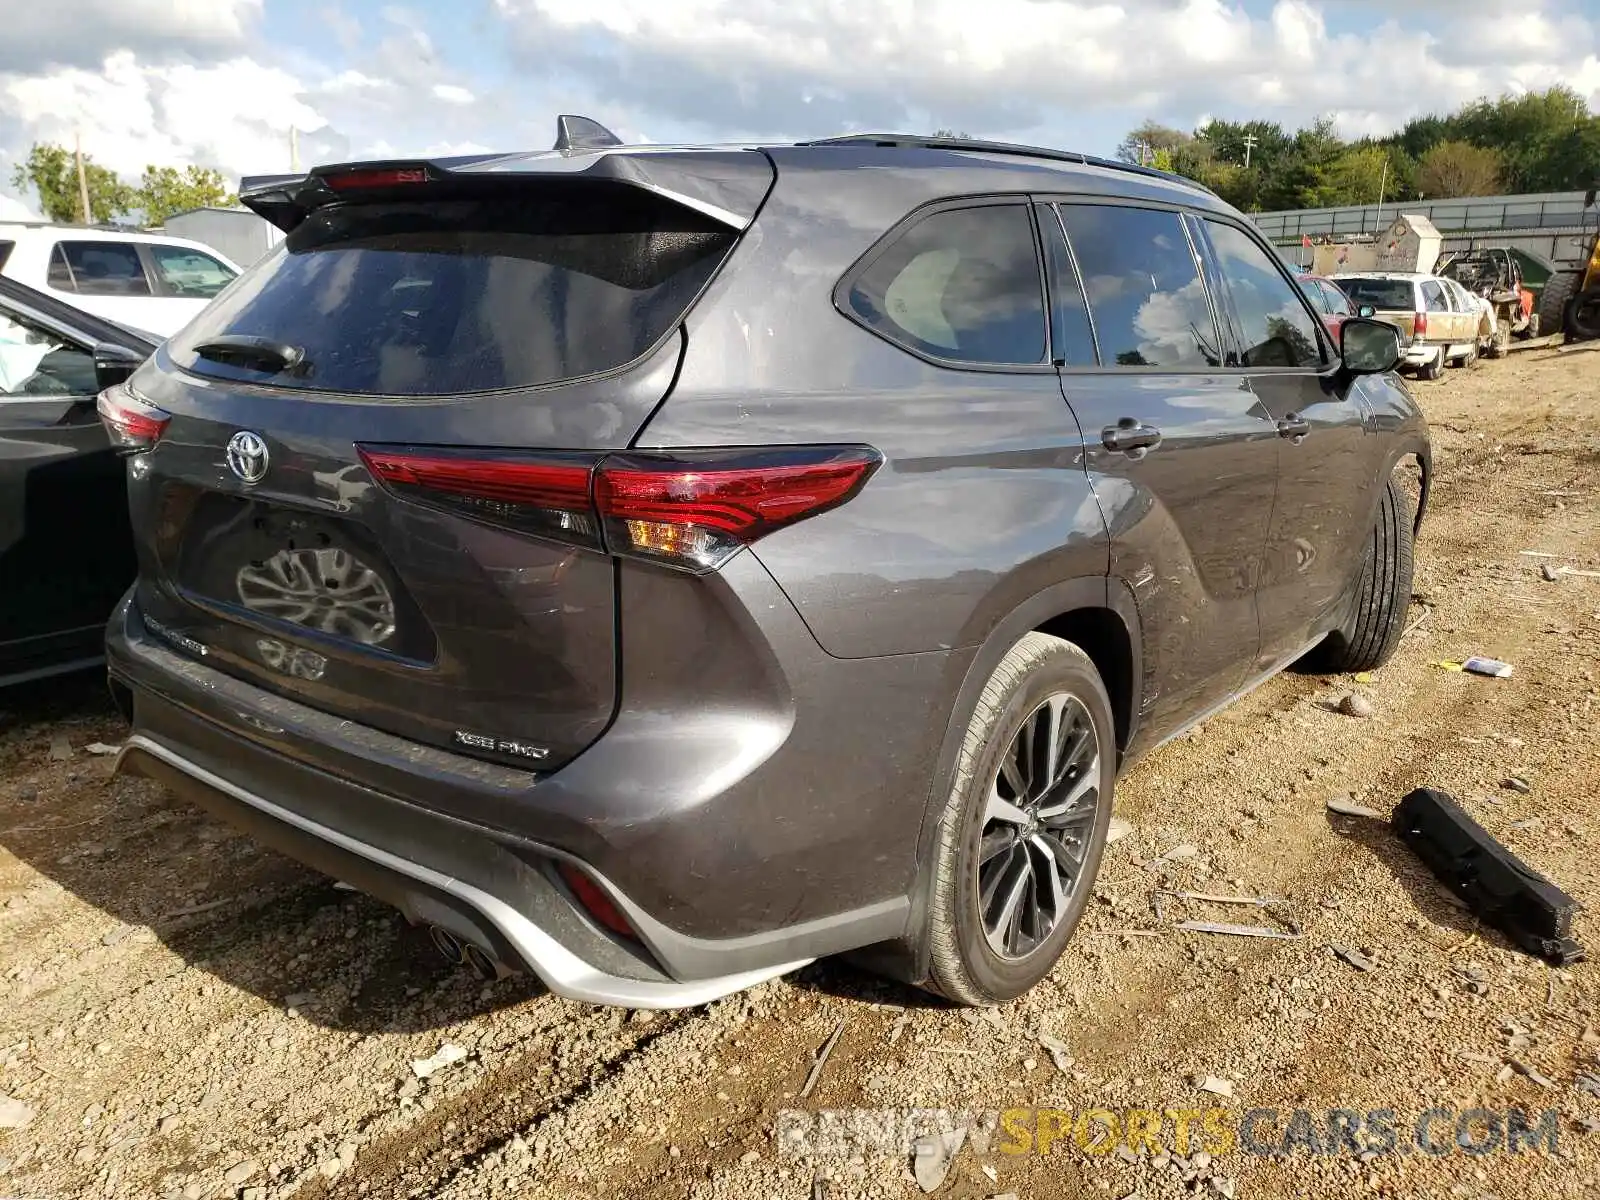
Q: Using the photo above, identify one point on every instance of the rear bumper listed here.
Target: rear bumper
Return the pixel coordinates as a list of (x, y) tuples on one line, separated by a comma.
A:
[(754, 805), (397, 873)]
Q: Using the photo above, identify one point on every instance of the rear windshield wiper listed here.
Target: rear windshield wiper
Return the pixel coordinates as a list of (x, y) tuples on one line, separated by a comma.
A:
[(253, 353)]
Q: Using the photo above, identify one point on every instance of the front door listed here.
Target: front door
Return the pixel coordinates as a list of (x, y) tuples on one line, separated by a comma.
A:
[(1319, 523), (1183, 456)]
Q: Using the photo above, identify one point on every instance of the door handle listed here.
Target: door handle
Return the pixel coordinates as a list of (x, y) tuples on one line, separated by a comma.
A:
[(1130, 436), (1294, 426)]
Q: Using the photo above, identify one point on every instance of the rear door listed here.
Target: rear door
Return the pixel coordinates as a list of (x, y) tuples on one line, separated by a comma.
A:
[(1319, 520), (373, 491), (1182, 455), (66, 554)]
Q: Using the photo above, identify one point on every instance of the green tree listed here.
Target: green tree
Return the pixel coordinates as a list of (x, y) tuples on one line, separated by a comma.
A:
[(1358, 174), (52, 172), (1149, 140), (165, 190), (1459, 169)]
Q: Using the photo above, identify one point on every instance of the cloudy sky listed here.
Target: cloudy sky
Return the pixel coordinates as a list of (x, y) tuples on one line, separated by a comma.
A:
[(220, 82)]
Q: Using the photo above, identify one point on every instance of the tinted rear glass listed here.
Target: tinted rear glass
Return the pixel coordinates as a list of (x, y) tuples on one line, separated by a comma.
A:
[(477, 295), (1393, 294)]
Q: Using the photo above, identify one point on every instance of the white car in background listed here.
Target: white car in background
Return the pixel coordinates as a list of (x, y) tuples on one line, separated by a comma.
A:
[(143, 281)]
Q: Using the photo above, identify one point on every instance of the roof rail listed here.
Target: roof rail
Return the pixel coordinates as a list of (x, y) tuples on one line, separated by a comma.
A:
[(919, 142)]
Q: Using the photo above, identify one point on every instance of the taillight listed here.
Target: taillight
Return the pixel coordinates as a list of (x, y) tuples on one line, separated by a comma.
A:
[(595, 902), (696, 511), (690, 510), (133, 423), (548, 495), (1419, 327)]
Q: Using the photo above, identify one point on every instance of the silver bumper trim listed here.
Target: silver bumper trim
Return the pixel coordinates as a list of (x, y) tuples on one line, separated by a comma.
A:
[(563, 972)]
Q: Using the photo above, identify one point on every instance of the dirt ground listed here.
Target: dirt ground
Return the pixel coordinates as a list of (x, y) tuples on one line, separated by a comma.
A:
[(183, 1015)]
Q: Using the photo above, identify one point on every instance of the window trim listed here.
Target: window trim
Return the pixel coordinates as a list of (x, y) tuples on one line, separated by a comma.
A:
[(1050, 280), (882, 245)]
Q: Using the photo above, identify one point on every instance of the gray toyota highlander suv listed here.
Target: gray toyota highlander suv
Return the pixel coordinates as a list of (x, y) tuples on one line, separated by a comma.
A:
[(655, 568)]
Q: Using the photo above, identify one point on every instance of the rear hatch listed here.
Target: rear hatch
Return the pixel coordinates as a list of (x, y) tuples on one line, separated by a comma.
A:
[(302, 514)]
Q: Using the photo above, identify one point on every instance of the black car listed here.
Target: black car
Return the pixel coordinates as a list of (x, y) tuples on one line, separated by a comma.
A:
[(658, 567), (66, 552)]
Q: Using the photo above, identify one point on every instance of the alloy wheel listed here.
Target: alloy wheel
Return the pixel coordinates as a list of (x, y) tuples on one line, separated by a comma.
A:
[(1038, 821)]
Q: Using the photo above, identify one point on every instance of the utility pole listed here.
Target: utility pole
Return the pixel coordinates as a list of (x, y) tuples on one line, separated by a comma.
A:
[(294, 149), (83, 178), (1144, 150), (1250, 143), (1383, 181)]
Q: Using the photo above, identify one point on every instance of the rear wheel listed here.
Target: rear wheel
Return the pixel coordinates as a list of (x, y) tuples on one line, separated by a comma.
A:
[(1434, 368), (1553, 301), (1372, 632), (1024, 826), (1583, 316), (1500, 343)]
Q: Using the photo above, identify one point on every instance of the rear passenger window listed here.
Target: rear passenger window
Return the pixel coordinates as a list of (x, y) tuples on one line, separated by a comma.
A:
[(1277, 330), (106, 268), (1149, 306), (961, 284), (1433, 297), (59, 275)]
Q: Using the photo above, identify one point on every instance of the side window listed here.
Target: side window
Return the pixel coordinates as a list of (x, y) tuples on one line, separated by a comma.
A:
[(1149, 307), (1433, 296), (961, 284), (35, 362), (1338, 303), (1071, 334), (106, 268), (59, 275), (1314, 293), (1277, 330), (189, 273)]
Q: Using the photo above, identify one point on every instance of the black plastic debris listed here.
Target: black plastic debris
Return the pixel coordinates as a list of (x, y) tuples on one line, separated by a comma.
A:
[(1493, 882)]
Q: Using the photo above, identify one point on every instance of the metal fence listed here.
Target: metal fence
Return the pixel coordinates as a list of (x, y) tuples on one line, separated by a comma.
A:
[(1556, 212)]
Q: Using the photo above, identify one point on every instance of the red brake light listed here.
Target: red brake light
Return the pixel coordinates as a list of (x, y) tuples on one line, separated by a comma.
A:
[(696, 512), (691, 510), (132, 424), (375, 177), (549, 497), (595, 902), (1419, 327)]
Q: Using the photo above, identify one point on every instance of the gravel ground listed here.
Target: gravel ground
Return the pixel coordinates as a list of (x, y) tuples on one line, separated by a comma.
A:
[(183, 1015)]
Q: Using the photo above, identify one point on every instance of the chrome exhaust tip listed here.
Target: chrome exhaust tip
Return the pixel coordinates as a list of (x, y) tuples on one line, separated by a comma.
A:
[(447, 944), (479, 963)]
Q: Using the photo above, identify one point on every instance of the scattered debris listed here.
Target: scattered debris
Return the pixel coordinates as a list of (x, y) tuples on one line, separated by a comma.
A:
[(60, 748), (1353, 956), (1117, 830), (899, 1026), (1347, 807), (1517, 784), (194, 909), (1548, 573), (1235, 930), (1488, 666), (1214, 898), (448, 1054), (822, 1059), (984, 1016), (1522, 1068), (1495, 883), (1356, 705), (1058, 1052), (934, 1153), (14, 1114), (102, 749), (1216, 1086), (1588, 1084)]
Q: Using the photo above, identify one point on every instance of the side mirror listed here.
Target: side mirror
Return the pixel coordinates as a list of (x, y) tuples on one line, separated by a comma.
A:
[(1369, 347), (114, 363), (1366, 310)]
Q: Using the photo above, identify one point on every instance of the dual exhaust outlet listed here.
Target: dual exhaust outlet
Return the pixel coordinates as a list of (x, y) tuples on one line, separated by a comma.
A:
[(466, 954)]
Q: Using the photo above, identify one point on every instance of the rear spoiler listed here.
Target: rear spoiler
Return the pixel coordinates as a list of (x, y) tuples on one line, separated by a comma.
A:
[(727, 186)]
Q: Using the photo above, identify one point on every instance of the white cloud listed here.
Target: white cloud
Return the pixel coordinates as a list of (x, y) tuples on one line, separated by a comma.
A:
[(81, 32), (452, 93)]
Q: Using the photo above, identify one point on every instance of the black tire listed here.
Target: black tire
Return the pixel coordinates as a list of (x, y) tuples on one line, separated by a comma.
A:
[(1500, 344), (1434, 369), (1383, 594), (1582, 320), (966, 966), (1553, 301)]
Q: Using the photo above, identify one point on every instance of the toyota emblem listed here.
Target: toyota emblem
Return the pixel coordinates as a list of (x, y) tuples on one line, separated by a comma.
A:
[(247, 456)]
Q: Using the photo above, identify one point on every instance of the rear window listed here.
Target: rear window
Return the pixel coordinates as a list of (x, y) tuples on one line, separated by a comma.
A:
[(453, 296), (1392, 294)]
